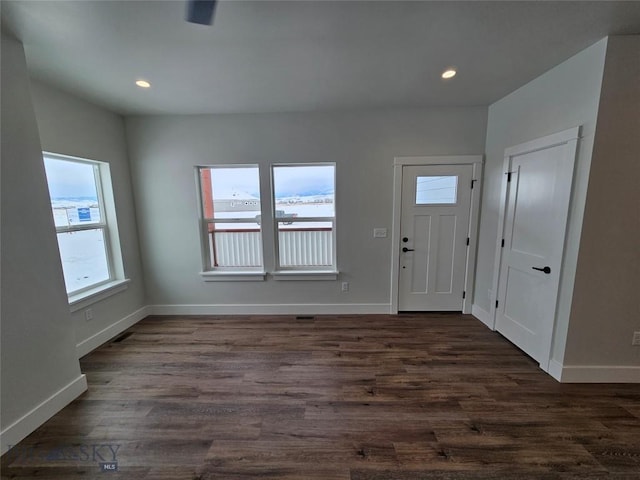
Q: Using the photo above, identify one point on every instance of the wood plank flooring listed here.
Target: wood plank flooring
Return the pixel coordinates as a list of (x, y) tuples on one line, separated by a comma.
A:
[(375, 397)]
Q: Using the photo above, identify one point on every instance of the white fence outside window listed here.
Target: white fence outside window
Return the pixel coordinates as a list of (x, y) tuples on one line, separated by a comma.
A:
[(306, 247)]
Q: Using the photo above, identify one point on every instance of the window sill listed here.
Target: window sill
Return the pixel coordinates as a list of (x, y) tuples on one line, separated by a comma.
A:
[(222, 276), (89, 297), (305, 275)]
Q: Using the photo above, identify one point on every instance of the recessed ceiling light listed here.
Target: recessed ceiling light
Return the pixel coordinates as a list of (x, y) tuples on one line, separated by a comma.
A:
[(450, 73), (143, 83)]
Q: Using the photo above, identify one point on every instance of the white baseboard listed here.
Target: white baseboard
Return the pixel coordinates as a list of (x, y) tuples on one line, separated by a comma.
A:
[(29, 422), (111, 331), (271, 309), (599, 374), (482, 315), (555, 369)]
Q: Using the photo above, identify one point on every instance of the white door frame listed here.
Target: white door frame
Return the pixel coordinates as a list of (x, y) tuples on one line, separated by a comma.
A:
[(398, 163), (570, 137)]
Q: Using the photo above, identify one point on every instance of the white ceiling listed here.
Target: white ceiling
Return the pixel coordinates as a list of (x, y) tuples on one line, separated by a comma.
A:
[(266, 56)]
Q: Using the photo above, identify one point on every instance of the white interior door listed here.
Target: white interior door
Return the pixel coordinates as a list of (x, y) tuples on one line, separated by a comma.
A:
[(538, 192), (434, 229)]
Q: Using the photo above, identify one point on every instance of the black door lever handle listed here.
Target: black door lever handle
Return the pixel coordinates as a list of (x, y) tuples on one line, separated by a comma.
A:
[(546, 270), (405, 249)]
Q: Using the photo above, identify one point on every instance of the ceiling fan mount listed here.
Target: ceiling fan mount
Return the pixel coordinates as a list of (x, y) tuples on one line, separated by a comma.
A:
[(201, 12)]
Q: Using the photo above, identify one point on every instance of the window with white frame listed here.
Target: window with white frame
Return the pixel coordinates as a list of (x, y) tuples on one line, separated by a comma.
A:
[(230, 217), (305, 216), (77, 201)]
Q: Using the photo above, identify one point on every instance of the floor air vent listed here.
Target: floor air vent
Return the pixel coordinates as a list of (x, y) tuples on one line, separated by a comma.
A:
[(122, 337)]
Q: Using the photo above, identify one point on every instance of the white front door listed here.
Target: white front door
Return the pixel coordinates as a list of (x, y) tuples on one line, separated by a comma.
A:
[(538, 192), (434, 229)]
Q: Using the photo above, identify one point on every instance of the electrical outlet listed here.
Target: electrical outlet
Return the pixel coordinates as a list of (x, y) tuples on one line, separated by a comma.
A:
[(345, 286), (636, 339), (88, 314)]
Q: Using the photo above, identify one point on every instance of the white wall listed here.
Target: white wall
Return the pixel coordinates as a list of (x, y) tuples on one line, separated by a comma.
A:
[(606, 306), (564, 97), (71, 126), (40, 369), (164, 150)]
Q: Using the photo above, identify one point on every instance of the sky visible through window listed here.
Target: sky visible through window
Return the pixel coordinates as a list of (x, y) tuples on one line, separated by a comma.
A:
[(303, 181), (436, 190), (226, 182), (290, 181), (70, 179)]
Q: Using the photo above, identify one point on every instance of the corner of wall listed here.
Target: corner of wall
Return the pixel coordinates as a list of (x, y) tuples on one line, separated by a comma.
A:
[(42, 378), (564, 97), (99, 338), (30, 421), (604, 309)]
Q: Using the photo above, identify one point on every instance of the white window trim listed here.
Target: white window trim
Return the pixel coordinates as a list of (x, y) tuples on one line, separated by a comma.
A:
[(252, 274), (210, 273), (108, 224), (96, 294), (305, 272), (298, 275), (233, 276)]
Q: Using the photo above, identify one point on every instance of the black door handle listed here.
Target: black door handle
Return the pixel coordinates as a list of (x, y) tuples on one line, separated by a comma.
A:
[(405, 249), (546, 270)]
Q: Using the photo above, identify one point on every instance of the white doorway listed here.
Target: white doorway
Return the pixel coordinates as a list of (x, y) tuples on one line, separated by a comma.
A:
[(531, 236), (434, 233)]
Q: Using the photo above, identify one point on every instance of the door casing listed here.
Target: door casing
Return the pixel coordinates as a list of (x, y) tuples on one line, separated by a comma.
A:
[(398, 163)]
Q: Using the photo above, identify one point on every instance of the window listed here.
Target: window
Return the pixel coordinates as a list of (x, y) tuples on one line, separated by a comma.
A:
[(77, 201), (304, 212), (230, 217), (436, 190), (231, 223)]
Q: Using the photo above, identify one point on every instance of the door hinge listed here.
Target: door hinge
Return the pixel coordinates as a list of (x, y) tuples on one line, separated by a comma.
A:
[(472, 182), (502, 245), (464, 294), (496, 303), (508, 174), (467, 240)]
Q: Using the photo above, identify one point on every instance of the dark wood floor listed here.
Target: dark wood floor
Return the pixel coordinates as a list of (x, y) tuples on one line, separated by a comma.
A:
[(404, 397)]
